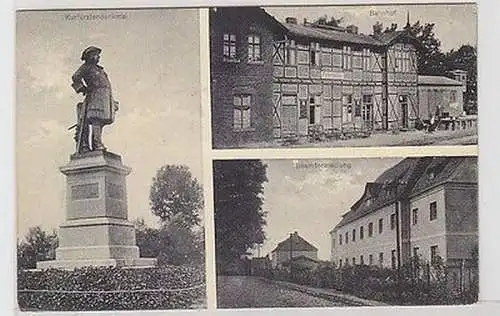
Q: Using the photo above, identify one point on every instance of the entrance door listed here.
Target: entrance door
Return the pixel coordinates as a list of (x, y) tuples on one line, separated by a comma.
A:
[(289, 119), (403, 102)]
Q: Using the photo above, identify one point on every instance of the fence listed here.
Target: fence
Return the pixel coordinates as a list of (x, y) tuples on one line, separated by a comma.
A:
[(418, 283)]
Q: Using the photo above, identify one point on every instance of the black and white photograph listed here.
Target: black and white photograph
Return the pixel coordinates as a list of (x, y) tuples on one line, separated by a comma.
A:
[(344, 76), (346, 232), (110, 207)]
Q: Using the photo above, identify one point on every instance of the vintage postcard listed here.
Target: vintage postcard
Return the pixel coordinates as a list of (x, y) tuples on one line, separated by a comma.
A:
[(108, 140), (344, 76), (346, 232)]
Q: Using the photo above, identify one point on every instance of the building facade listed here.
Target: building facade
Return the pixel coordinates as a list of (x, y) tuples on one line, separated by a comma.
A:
[(440, 96), (294, 247), (273, 80), (422, 207)]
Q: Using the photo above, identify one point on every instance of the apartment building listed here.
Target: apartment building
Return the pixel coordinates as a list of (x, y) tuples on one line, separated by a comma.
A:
[(425, 207)]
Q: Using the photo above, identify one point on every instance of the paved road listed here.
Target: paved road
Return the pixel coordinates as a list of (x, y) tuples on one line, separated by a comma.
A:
[(252, 292)]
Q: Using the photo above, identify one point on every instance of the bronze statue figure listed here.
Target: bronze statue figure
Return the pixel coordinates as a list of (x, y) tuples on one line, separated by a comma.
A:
[(99, 107)]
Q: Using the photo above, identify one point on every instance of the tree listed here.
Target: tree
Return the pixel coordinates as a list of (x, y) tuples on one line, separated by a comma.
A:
[(175, 192), (325, 21), (465, 58), (37, 245), (239, 217), (430, 59), (173, 243), (377, 28)]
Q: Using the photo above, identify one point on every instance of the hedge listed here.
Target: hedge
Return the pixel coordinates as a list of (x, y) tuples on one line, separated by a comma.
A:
[(170, 287)]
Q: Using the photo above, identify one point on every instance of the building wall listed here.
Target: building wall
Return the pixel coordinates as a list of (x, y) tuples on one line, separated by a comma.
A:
[(342, 70), (432, 98), (279, 257), (427, 233), (384, 242), (461, 220), (402, 86), (229, 78)]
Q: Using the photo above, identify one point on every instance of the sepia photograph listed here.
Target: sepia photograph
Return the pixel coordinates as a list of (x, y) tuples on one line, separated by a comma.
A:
[(344, 76), (387, 231), (110, 207)]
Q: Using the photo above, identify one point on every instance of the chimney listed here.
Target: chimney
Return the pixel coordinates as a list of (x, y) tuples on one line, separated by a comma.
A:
[(352, 29), (291, 20)]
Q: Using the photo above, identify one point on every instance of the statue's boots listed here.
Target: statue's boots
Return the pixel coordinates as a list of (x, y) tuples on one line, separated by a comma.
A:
[(97, 138)]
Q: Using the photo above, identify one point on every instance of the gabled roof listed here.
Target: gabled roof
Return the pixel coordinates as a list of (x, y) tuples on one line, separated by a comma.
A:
[(299, 30), (410, 177), (447, 169), (298, 244), (384, 190), (437, 81)]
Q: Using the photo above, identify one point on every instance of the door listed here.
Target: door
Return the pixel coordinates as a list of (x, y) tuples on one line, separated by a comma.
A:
[(403, 101), (289, 119)]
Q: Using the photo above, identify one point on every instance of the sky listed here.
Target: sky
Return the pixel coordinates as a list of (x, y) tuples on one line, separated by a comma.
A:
[(455, 24), (152, 60), (310, 196)]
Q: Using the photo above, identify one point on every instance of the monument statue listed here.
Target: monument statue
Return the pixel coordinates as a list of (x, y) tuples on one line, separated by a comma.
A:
[(98, 108), (96, 231)]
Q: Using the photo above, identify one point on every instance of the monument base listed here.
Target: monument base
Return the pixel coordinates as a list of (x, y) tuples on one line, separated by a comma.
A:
[(96, 231)]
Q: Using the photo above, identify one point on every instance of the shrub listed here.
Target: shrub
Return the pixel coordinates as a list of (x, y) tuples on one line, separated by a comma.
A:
[(56, 288)]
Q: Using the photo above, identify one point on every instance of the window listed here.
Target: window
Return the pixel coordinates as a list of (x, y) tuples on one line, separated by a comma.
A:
[(366, 111), (346, 238), (254, 48), (340, 239), (353, 261), (361, 232), (229, 46), (361, 260), (453, 96), (393, 221), (398, 60), (381, 258), (380, 225), (346, 57), (313, 115), (370, 259), (415, 252), (393, 259), (242, 106), (366, 59), (354, 235), (340, 263), (346, 261), (290, 54), (434, 254), (314, 54), (347, 107), (357, 107), (370, 229), (414, 216), (433, 211)]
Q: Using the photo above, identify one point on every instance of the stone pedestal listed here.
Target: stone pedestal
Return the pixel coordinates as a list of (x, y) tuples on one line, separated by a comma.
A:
[(96, 231)]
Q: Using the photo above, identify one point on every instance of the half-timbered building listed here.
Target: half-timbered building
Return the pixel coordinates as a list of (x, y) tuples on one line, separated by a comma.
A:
[(286, 80)]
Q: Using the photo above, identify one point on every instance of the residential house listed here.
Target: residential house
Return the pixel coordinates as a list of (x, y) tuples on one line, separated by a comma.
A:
[(291, 248)]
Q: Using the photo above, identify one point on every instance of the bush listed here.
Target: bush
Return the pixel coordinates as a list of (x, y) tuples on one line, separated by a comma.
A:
[(97, 279)]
